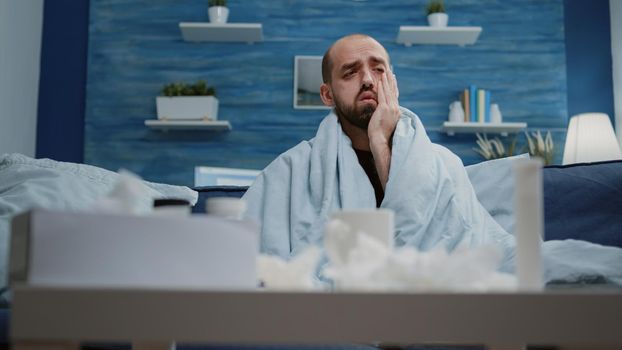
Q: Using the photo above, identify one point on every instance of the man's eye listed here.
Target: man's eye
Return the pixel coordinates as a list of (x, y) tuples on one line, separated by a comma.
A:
[(348, 74), (379, 69)]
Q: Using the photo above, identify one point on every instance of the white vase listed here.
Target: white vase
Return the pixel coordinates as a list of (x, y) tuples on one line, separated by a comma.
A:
[(495, 114), (218, 14), (438, 19), (456, 112)]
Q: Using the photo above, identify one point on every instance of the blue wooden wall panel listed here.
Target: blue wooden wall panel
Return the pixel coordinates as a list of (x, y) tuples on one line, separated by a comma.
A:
[(135, 47)]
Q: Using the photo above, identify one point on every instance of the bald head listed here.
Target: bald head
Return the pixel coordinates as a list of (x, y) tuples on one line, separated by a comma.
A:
[(328, 59)]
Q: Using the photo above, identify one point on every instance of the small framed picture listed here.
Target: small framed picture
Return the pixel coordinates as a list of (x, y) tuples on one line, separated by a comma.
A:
[(307, 82)]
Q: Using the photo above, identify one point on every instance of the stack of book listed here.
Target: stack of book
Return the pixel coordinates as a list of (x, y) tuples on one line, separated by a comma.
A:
[(476, 104)]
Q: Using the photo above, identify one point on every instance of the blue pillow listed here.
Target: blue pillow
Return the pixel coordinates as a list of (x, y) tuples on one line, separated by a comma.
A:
[(584, 201)]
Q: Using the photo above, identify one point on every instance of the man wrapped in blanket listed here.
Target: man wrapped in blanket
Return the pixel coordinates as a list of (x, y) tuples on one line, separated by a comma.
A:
[(370, 152)]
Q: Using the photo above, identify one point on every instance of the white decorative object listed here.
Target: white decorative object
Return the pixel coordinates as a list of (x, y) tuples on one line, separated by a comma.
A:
[(590, 139), (438, 19), (456, 113), (221, 32), (425, 35), (218, 14), (495, 114), (529, 209), (187, 108)]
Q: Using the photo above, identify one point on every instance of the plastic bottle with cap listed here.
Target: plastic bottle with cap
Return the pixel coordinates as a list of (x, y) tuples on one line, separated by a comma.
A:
[(226, 207)]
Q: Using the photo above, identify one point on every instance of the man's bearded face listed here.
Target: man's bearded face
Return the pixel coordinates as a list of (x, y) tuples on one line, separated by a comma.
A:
[(354, 112)]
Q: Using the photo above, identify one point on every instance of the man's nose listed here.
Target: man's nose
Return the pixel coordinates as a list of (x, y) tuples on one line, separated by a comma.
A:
[(368, 78)]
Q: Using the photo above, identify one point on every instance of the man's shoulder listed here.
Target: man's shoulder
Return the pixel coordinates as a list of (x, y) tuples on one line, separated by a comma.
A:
[(293, 156), (447, 155), (301, 149)]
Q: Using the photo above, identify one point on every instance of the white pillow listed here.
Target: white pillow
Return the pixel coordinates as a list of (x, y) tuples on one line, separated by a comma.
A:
[(44, 183), (493, 182)]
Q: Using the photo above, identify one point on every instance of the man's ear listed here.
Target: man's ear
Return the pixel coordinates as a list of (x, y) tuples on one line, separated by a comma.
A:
[(326, 95)]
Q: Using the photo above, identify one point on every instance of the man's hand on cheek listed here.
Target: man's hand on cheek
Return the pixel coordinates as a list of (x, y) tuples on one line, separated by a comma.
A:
[(387, 113)]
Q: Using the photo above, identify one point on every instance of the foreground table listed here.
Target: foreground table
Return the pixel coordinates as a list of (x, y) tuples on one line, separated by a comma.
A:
[(64, 317)]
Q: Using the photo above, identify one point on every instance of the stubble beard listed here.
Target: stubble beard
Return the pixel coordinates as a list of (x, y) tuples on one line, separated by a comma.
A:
[(357, 116)]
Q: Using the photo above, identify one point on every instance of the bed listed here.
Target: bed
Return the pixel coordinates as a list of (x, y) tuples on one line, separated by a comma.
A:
[(581, 201)]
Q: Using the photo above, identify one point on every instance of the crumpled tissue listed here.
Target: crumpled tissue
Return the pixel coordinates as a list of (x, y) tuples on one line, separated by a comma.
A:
[(296, 274), (359, 261), (128, 196)]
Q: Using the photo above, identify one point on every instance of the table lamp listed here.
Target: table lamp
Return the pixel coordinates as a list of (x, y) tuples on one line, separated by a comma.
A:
[(590, 138)]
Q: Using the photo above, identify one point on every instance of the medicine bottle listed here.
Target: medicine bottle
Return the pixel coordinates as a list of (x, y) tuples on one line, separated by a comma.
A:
[(226, 207)]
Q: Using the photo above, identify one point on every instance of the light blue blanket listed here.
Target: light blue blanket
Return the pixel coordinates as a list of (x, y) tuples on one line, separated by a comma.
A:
[(428, 189)]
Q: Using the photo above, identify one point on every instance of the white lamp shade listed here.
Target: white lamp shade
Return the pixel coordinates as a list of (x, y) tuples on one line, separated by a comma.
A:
[(590, 139)]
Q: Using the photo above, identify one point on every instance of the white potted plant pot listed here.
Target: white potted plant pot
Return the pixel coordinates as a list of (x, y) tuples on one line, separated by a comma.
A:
[(218, 14), (438, 19), (187, 108)]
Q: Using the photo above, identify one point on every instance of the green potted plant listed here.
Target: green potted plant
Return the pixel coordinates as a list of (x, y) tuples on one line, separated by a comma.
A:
[(218, 11), (181, 101), (436, 14)]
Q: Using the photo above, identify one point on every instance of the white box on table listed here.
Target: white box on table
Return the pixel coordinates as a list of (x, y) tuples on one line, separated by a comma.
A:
[(55, 248)]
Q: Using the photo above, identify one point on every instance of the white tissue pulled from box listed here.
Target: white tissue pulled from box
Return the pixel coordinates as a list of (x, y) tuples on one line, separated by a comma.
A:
[(360, 262), (128, 196), (298, 273)]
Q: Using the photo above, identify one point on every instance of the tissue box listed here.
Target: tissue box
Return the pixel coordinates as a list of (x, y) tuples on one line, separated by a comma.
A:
[(54, 248)]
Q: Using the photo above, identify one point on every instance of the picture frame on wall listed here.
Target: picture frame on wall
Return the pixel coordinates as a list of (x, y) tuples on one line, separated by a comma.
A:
[(307, 82)]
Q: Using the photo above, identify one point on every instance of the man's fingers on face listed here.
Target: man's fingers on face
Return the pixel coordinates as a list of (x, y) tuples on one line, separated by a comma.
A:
[(395, 88), (392, 82), (380, 95), (387, 89)]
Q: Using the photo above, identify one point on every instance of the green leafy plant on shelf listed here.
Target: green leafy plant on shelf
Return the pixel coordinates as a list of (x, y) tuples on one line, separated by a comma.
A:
[(200, 88), (537, 146), (435, 6), (217, 3)]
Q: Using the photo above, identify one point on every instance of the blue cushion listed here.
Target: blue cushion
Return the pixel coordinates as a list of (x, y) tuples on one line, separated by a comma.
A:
[(584, 201), (5, 315)]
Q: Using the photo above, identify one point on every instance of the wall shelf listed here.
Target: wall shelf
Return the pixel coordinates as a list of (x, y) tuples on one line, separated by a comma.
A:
[(221, 32), (452, 128), (409, 35), (215, 125)]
